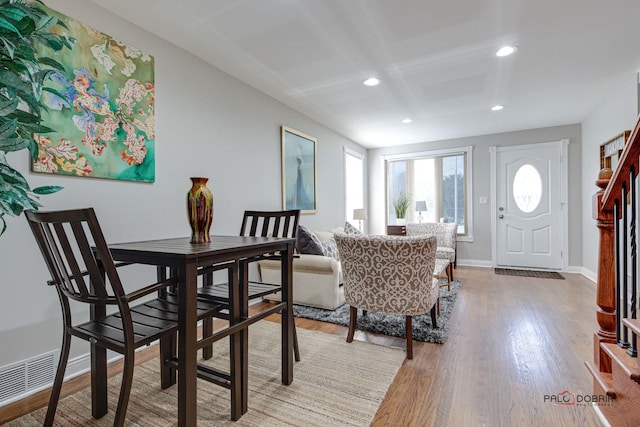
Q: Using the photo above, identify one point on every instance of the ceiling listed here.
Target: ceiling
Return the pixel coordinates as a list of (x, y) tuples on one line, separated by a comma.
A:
[(435, 58)]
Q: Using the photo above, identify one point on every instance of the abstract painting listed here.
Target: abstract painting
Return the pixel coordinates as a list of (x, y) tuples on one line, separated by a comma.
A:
[(298, 171), (102, 109)]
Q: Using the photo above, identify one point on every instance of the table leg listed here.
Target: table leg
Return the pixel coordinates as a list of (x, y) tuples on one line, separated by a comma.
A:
[(286, 270), (235, 346), (244, 334), (187, 348)]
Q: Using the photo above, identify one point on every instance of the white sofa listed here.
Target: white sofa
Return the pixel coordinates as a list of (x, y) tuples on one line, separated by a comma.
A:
[(317, 279)]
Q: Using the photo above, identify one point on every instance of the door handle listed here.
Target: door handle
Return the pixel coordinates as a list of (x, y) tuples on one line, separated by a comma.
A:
[(500, 216)]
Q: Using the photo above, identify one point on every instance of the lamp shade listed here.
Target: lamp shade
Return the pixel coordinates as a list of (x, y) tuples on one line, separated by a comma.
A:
[(421, 206), (359, 214)]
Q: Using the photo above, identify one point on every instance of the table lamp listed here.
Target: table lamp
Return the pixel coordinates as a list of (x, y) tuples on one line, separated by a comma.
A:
[(421, 205), (360, 214)]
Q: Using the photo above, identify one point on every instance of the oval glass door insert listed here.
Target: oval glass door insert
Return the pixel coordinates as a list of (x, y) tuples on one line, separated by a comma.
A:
[(527, 188)]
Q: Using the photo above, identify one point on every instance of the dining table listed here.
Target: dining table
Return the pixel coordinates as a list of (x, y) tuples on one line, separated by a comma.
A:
[(187, 260)]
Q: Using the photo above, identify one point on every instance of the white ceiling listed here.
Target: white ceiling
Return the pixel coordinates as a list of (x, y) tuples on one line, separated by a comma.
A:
[(435, 58)]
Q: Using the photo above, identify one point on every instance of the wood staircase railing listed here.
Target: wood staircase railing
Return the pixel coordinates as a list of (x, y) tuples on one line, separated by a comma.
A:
[(615, 368)]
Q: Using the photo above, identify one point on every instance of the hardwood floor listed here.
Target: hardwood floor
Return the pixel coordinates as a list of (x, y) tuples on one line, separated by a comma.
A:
[(512, 341)]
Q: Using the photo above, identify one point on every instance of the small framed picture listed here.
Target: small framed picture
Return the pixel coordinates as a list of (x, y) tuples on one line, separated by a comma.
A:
[(298, 171)]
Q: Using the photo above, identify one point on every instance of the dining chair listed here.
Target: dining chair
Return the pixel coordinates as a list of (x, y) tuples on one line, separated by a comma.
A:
[(254, 223), (391, 275), (83, 272)]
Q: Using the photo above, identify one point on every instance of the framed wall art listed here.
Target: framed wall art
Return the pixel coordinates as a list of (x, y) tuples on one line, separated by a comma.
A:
[(101, 108), (299, 190)]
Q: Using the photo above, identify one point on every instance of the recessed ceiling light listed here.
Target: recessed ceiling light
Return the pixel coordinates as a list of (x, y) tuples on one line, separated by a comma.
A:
[(506, 50), (497, 107), (407, 120), (371, 81)]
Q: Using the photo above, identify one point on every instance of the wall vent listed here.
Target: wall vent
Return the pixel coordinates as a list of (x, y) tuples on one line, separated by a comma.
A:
[(27, 376)]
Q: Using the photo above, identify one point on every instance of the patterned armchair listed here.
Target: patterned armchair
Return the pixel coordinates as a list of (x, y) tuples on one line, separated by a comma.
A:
[(389, 274), (446, 233)]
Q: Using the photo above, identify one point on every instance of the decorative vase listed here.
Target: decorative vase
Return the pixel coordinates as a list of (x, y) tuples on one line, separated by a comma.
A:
[(400, 221), (200, 210)]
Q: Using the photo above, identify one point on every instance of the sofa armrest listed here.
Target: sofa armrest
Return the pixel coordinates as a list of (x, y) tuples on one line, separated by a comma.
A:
[(307, 263)]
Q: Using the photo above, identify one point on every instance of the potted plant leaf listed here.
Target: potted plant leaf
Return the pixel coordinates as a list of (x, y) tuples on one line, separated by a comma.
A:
[(400, 207), (23, 25)]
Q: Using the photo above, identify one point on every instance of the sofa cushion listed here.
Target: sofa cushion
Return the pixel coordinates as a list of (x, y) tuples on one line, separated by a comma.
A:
[(330, 249), (350, 229), (307, 242)]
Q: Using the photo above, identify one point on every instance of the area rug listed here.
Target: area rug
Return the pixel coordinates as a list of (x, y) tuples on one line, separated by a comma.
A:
[(335, 384), (392, 325), (529, 273)]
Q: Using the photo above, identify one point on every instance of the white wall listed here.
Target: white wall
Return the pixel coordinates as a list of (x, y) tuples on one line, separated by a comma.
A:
[(207, 124), (617, 113), (478, 252)]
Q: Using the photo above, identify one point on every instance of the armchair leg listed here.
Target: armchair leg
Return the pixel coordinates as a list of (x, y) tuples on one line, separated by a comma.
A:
[(434, 320), (409, 333), (353, 320)]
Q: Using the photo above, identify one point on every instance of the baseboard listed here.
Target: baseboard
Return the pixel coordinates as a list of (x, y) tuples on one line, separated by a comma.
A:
[(474, 263)]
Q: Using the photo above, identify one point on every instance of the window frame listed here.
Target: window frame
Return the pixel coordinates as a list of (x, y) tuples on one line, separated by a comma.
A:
[(467, 151), (360, 156)]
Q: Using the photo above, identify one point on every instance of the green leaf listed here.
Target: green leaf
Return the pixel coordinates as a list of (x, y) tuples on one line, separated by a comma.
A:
[(4, 224), (46, 22), (24, 117), (8, 26), (49, 189), (52, 63), (10, 79), (34, 149), (8, 129), (9, 46), (36, 128), (12, 176), (9, 106), (14, 144), (17, 201)]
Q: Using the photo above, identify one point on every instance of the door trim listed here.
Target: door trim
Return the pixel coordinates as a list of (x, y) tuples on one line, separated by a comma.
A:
[(564, 175)]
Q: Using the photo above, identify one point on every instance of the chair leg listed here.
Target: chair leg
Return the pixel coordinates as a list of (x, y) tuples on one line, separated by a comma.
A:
[(450, 272), (434, 319), (409, 333), (207, 331), (296, 348), (168, 347), (125, 388), (57, 383), (353, 320)]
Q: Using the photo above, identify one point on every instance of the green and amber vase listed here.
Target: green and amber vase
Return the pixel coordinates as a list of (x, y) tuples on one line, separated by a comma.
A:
[(200, 210)]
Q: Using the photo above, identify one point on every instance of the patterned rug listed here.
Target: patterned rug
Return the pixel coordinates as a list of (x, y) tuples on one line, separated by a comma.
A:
[(388, 324), (335, 384), (529, 273)]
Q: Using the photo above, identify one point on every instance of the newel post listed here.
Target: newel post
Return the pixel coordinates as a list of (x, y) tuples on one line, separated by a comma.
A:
[(605, 286)]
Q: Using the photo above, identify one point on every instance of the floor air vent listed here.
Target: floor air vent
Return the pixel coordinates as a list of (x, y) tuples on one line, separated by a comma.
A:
[(28, 375)]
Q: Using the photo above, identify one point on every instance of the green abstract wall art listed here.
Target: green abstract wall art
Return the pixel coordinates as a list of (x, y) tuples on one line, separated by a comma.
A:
[(102, 109)]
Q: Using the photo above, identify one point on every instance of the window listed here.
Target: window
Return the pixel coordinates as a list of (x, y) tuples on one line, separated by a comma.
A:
[(441, 178), (354, 183)]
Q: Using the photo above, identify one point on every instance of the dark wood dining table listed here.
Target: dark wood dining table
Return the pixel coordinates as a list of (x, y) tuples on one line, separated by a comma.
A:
[(186, 260)]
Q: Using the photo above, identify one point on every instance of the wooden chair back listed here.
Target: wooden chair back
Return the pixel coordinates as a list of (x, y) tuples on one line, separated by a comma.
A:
[(270, 223), (73, 245)]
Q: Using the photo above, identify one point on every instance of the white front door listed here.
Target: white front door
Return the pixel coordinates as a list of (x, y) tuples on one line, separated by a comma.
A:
[(528, 208)]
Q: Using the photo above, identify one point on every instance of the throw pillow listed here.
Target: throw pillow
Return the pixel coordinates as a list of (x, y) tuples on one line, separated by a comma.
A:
[(330, 249), (350, 229), (307, 242)]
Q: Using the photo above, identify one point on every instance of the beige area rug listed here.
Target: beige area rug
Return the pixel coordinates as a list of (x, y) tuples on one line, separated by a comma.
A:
[(335, 383)]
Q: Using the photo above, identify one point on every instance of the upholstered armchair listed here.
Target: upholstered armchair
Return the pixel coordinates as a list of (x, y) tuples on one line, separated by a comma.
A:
[(446, 233), (389, 274)]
